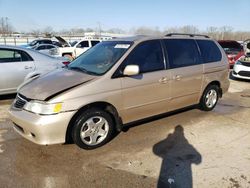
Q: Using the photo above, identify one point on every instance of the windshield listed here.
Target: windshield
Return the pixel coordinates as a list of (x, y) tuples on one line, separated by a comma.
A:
[(73, 43), (99, 59), (33, 43)]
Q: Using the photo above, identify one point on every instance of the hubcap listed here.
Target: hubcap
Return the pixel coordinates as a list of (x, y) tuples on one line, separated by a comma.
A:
[(94, 130), (211, 98)]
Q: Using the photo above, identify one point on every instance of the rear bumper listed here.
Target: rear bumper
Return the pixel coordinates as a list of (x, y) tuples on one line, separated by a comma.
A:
[(43, 130)]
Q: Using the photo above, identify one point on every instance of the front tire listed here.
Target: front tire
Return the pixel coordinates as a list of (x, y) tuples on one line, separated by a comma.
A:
[(209, 98), (92, 129)]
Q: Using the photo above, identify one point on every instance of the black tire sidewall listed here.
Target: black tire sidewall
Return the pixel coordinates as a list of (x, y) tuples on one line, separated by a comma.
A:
[(83, 117), (203, 105)]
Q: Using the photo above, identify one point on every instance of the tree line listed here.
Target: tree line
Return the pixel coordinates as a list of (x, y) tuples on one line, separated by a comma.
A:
[(218, 33)]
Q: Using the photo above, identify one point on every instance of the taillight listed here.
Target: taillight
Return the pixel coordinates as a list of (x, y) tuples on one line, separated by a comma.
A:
[(66, 62)]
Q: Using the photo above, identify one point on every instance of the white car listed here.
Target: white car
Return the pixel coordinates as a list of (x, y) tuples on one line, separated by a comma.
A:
[(45, 48), (242, 68), (73, 50)]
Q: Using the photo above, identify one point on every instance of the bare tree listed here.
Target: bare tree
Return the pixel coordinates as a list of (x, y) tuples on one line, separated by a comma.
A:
[(225, 32), (48, 31), (189, 29), (36, 33), (5, 26), (147, 31)]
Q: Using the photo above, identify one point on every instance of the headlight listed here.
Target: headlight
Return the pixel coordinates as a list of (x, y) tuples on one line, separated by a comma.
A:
[(238, 63), (43, 108)]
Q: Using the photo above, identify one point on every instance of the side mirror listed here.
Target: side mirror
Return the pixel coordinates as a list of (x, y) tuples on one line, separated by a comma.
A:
[(131, 70)]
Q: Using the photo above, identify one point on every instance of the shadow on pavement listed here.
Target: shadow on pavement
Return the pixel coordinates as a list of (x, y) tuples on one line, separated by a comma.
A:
[(177, 157)]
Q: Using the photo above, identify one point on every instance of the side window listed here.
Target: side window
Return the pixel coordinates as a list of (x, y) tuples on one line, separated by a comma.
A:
[(148, 56), (182, 52), (9, 56), (209, 51), (94, 42), (83, 44), (40, 47), (45, 42), (49, 47)]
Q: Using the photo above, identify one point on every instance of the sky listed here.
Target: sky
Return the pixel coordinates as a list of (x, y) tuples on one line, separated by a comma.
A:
[(28, 15)]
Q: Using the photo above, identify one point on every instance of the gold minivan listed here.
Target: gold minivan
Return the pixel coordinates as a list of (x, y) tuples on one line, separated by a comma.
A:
[(117, 82)]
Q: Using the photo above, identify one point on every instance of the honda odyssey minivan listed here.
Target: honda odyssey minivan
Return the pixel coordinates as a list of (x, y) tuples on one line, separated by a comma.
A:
[(117, 82)]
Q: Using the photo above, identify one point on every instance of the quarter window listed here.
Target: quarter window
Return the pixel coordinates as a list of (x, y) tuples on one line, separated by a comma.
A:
[(41, 47), (209, 51), (182, 52), (148, 56)]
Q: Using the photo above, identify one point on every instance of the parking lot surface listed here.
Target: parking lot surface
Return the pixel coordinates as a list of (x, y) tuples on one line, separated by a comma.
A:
[(188, 149)]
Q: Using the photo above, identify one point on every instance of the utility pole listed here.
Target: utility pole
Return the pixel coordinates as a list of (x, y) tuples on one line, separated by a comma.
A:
[(100, 29), (7, 25)]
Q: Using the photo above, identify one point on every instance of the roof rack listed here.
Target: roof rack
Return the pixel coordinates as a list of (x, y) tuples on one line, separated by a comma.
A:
[(186, 34)]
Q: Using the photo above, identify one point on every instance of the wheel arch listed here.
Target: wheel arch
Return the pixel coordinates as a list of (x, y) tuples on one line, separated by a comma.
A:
[(101, 105), (217, 83)]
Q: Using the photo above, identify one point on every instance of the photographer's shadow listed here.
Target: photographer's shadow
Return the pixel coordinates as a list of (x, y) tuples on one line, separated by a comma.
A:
[(177, 157)]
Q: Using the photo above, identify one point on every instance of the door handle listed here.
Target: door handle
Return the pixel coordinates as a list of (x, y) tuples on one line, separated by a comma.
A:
[(177, 77), (163, 80), (28, 67)]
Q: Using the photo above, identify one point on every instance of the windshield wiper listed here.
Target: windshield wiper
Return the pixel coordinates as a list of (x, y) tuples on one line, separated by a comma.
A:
[(81, 69)]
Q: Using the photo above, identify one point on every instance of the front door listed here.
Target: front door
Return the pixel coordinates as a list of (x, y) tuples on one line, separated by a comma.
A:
[(15, 65), (146, 94)]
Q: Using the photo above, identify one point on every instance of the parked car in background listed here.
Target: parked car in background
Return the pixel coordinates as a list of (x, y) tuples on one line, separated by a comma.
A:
[(38, 42), (20, 64), (45, 48), (246, 46), (233, 49), (73, 50), (117, 82), (242, 66)]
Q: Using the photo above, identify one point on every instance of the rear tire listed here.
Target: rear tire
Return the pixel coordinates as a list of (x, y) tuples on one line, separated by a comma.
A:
[(209, 98), (93, 128)]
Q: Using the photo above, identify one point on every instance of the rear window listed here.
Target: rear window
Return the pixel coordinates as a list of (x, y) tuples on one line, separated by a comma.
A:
[(209, 51), (182, 52)]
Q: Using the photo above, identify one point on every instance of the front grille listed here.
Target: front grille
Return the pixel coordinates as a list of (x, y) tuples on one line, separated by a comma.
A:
[(244, 73), (247, 64), (19, 102)]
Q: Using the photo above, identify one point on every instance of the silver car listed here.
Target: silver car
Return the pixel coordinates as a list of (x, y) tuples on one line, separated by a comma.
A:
[(45, 48), (20, 64)]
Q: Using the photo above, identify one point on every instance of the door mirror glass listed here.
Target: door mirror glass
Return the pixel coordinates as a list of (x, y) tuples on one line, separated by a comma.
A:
[(131, 70)]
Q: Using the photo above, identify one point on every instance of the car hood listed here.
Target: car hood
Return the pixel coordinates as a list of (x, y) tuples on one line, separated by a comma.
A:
[(62, 41), (53, 83)]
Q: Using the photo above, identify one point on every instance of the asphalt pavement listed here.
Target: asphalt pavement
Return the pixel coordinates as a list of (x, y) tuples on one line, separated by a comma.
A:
[(191, 148)]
